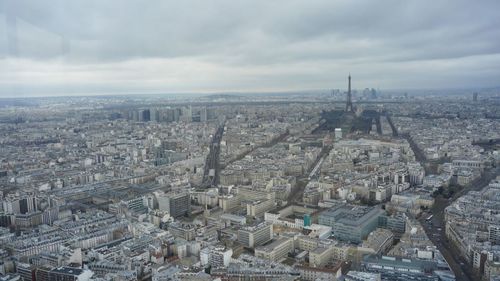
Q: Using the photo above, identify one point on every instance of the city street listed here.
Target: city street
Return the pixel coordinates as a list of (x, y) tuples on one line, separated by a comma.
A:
[(436, 227)]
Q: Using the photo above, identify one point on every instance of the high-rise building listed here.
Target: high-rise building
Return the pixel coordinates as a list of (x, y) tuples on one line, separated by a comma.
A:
[(27, 204), (177, 114), (203, 114), (154, 115), (186, 114), (177, 204), (145, 115), (257, 235), (494, 234)]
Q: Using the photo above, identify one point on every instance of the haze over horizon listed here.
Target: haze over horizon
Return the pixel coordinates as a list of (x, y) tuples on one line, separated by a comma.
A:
[(59, 47)]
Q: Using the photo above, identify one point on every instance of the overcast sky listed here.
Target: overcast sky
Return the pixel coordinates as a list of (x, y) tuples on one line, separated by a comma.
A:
[(61, 47)]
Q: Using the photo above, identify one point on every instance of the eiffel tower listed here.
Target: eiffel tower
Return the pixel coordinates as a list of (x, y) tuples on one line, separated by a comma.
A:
[(348, 106)]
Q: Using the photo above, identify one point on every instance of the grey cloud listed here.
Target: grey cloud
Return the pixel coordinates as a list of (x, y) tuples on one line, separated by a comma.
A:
[(246, 41)]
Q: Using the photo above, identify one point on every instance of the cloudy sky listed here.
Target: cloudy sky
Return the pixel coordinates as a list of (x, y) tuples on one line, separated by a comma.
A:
[(60, 47)]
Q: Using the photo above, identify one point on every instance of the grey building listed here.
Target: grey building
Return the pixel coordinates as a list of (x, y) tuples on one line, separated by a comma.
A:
[(494, 234), (351, 223), (253, 236), (396, 224), (177, 204)]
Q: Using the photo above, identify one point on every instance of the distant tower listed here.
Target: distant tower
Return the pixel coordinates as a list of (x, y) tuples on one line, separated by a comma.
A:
[(474, 97), (348, 106)]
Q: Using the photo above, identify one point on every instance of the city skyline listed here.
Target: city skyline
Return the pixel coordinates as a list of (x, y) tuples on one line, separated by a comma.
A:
[(299, 186), (346, 140)]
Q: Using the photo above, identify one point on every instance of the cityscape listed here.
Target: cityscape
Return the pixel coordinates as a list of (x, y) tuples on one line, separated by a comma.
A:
[(347, 181)]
